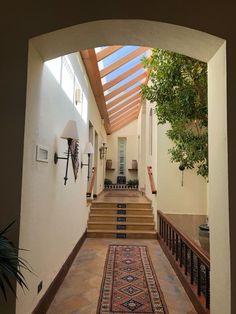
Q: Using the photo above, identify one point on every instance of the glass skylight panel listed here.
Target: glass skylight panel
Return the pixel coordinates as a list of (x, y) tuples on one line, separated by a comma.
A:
[(129, 78), (124, 92), (115, 56), (122, 69)]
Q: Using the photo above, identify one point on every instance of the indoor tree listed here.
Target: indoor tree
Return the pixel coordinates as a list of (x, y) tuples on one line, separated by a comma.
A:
[(178, 87)]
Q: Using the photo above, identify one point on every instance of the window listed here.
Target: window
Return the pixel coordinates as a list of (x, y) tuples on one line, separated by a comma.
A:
[(67, 78), (63, 71), (54, 66), (150, 130), (121, 155)]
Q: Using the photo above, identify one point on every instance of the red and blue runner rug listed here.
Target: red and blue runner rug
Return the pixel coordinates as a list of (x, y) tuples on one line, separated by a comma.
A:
[(129, 283)]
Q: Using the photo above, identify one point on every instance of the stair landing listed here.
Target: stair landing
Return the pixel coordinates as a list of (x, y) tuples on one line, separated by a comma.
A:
[(121, 214)]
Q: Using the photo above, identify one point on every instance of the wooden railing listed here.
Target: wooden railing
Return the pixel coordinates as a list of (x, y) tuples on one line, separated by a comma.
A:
[(152, 184), (92, 182), (190, 262)]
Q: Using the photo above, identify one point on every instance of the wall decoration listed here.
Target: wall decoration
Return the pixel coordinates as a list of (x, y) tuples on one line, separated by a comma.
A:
[(74, 150), (42, 153)]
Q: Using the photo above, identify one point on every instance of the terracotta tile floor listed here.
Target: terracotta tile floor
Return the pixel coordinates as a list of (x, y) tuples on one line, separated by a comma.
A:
[(80, 289)]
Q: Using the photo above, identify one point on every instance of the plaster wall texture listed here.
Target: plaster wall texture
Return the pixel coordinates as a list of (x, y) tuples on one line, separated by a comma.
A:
[(53, 216), (218, 182)]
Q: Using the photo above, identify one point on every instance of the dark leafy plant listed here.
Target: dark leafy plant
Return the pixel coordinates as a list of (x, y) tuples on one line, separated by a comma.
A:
[(179, 90), (107, 182), (10, 264), (133, 182)]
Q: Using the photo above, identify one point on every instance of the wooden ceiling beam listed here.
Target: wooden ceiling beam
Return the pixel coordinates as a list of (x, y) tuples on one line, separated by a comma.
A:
[(91, 66), (123, 97), (123, 124), (107, 52), (123, 76), (137, 52), (121, 89), (125, 104), (124, 111), (124, 117)]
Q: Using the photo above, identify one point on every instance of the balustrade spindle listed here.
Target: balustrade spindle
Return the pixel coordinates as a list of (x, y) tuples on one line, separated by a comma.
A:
[(177, 248), (207, 287), (164, 230), (167, 235), (170, 237), (181, 253), (186, 259), (160, 226), (173, 242), (191, 266), (198, 276)]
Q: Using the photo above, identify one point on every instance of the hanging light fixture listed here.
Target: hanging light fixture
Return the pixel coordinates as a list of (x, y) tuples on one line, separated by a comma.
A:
[(69, 133)]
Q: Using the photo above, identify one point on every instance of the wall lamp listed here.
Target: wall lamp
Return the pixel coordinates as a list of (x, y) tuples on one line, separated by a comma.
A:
[(69, 133), (88, 150), (103, 151)]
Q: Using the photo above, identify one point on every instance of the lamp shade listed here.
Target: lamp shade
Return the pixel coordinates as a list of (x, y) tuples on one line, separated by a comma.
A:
[(70, 130), (88, 149)]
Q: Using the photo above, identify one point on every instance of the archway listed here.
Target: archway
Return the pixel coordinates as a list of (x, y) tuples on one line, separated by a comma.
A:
[(194, 44)]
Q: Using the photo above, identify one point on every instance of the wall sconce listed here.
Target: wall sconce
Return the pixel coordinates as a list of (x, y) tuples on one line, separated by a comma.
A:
[(69, 133), (88, 150), (103, 151)]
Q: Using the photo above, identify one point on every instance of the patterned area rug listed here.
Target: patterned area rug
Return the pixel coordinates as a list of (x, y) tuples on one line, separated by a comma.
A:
[(129, 283)]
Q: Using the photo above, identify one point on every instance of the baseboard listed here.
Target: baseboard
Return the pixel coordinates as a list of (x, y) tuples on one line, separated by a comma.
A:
[(49, 295)]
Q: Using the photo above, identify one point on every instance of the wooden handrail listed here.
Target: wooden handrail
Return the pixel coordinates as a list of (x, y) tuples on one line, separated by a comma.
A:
[(152, 184), (91, 186), (187, 259), (203, 255)]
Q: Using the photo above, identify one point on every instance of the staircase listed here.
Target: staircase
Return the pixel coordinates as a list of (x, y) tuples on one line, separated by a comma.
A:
[(121, 220)]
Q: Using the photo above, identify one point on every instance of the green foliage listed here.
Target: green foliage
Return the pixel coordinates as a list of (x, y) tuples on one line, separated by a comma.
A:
[(10, 264), (107, 182), (133, 182), (179, 90)]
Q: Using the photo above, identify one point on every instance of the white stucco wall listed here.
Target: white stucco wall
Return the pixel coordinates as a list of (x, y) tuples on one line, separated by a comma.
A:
[(171, 197), (218, 184), (53, 216)]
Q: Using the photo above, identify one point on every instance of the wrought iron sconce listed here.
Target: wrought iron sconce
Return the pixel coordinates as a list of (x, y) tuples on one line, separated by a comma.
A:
[(69, 133), (88, 150), (103, 151)]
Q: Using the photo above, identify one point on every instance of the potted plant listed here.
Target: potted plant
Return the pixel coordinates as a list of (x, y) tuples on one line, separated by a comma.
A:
[(11, 264)]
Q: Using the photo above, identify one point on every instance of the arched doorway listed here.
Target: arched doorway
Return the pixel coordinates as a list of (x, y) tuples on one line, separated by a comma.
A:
[(194, 44)]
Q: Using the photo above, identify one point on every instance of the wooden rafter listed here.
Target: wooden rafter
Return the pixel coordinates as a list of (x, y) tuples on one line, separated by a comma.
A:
[(123, 113), (137, 52), (121, 89), (124, 117), (125, 104), (123, 124), (123, 76), (90, 62), (107, 52), (123, 97)]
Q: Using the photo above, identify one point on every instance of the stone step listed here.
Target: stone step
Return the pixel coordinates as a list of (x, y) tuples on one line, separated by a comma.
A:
[(121, 225), (120, 205), (134, 234), (122, 211), (128, 218)]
